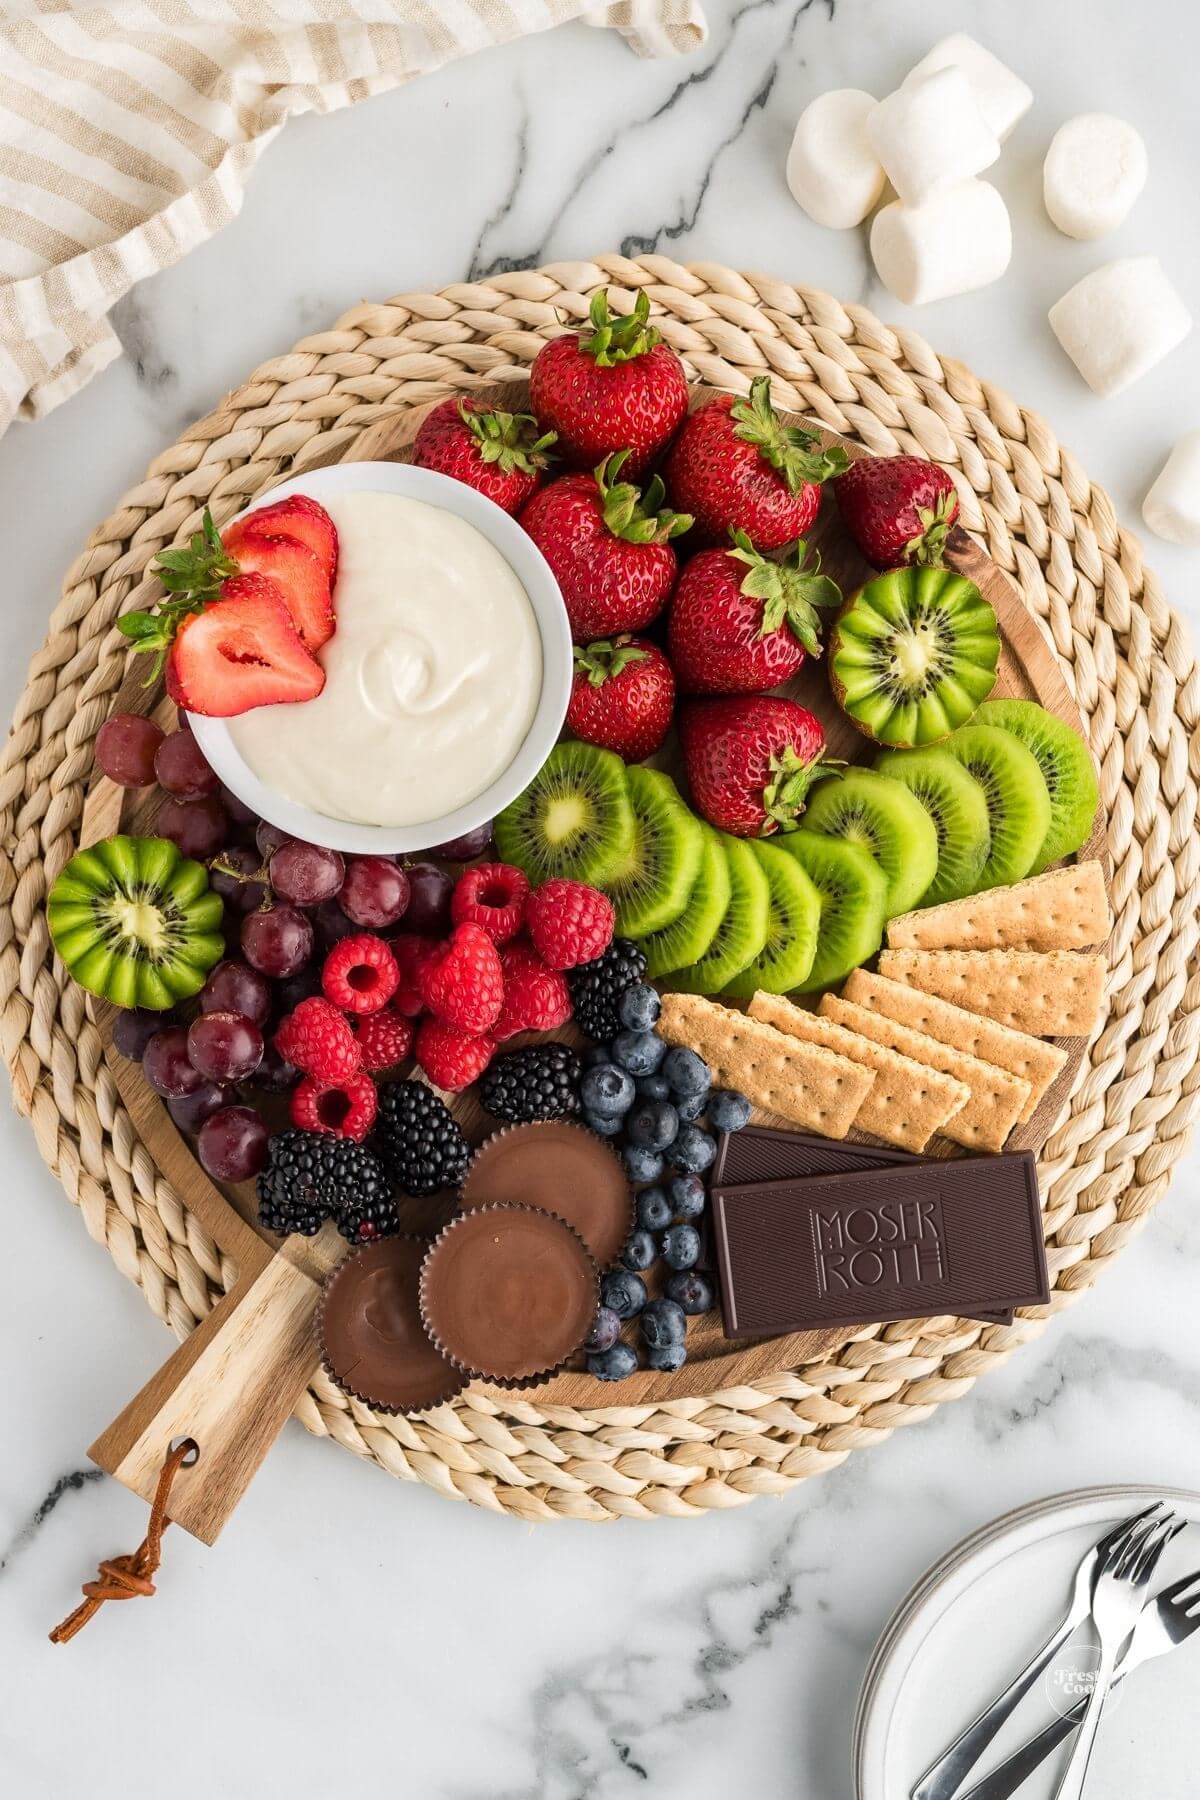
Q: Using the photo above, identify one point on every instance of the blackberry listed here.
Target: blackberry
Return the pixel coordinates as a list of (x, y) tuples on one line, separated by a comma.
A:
[(597, 987), (421, 1144), (540, 1082), (363, 1218), (311, 1176)]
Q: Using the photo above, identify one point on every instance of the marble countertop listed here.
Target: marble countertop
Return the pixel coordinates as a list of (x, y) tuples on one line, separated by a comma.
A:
[(351, 1635)]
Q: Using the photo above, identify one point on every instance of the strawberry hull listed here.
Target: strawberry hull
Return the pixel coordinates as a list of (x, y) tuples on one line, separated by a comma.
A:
[(750, 761)]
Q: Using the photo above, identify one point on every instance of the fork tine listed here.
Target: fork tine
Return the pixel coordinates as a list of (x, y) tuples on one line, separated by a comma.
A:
[(1121, 1531), (1125, 1554), (1147, 1557), (1176, 1593)]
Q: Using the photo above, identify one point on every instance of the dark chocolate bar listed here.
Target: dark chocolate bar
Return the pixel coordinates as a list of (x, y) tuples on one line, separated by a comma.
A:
[(903, 1242)]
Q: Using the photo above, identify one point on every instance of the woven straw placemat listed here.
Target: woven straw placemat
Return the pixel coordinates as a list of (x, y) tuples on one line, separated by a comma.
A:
[(1126, 655)]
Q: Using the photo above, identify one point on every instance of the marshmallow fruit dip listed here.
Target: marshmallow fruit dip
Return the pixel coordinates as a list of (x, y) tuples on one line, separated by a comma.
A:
[(432, 676)]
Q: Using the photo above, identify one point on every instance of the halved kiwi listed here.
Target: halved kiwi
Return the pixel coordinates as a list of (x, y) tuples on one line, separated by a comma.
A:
[(688, 937), (852, 890), (888, 821), (742, 933), (957, 805), (1067, 769), (792, 921), (1018, 800), (912, 654), (136, 923), (574, 820), (650, 886)]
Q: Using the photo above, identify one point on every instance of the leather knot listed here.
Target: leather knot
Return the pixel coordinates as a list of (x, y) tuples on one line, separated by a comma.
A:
[(129, 1577)]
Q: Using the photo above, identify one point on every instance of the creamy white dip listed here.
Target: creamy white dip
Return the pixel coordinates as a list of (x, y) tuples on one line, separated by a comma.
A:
[(432, 677)]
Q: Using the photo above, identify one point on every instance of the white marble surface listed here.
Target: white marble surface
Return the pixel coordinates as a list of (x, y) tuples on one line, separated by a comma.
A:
[(352, 1635)]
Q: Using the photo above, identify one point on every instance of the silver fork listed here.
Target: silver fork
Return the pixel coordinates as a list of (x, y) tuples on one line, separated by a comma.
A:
[(943, 1780), (1118, 1596), (1165, 1621)]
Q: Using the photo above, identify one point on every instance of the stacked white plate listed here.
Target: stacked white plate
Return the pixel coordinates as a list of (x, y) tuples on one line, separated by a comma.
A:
[(977, 1617)]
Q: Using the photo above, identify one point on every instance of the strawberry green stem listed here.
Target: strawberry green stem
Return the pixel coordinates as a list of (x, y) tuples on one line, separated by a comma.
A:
[(929, 545), (510, 440), (618, 340), (785, 794), (790, 589), (192, 574), (629, 514), (788, 448), (606, 657)]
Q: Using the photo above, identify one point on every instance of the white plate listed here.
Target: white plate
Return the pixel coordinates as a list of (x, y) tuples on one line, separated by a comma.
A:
[(977, 1616)]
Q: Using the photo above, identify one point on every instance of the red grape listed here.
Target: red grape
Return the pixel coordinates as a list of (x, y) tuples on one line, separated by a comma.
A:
[(225, 1046), (304, 986), (269, 837), (232, 877), (278, 942), (167, 1065), (238, 811), (306, 874), (333, 924), (235, 987), (232, 1145), (429, 891), (189, 1111), (274, 1074), (125, 747), (182, 767), (467, 847), (375, 892), (197, 827), (134, 1029)]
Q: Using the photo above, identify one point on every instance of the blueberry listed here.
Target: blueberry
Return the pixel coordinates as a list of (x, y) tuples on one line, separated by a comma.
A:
[(640, 1052), (604, 1127), (681, 1246), (653, 1209), (614, 1364), (607, 1091), (653, 1087), (664, 1322), (652, 1123), (640, 1250), (728, 1110), (686, 1196), (693, 1291), (692, 1151), (606, 1329), (595, 1054), (690, 1106), (666, 1358), (639, 1007), (687, 1073), (642, 1165), (623, 1293)]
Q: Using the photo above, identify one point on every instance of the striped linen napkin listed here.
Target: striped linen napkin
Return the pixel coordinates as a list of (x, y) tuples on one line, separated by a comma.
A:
[(128, 132)]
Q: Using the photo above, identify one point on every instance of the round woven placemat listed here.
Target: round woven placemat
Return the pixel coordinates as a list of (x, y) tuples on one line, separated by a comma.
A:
[(1125, 653)]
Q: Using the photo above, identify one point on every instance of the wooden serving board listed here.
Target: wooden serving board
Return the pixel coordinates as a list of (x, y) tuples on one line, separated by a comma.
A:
[(1028, 670)]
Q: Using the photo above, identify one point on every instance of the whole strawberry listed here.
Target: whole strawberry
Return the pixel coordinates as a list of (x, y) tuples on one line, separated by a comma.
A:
[(622, 696), (750, 761), (609, 547), (736, 465), (741, 623), (617, 387), (504, 455), (898, 509)]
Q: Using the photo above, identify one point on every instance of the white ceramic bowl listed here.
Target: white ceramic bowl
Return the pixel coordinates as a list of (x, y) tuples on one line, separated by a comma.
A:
[(531, 569)]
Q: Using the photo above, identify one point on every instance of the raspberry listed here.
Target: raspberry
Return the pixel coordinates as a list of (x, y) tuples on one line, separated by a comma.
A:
[(411, 952), (345, 1108), (569, 923), (452, 1059), (384, 1038), (492, 895), (535, 998), (463, 982), (360, 974), (316, 1038)]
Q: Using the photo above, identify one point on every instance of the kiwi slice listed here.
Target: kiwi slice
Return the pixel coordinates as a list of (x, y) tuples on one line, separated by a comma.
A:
[(742, 933), (1067, 769), (888, 821), (688, 937), (136, 923), (912, 654), (574, 820), (793, 917), (958, 807), (1018, 800), (650, 886), (852, 890)]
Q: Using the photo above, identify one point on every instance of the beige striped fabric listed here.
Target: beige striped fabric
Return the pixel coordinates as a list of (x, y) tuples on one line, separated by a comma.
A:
[(128, 132)]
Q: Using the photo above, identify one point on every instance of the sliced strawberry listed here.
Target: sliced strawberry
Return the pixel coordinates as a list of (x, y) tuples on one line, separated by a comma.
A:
[(241, 653), (300, 575), (298, 517)]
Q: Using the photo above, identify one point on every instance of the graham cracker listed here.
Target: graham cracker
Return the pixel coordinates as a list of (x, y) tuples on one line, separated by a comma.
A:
[(1028, 1058), (1048, 993), (1065, 909), (907, 1102), (804, 1083), (997, 1099)]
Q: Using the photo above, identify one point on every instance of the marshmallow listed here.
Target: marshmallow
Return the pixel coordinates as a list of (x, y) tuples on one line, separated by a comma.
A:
[(960, 239), (930, 135), (832, 171), (1119, 321), (1172, 507), (1095, 169), (1001, 96)]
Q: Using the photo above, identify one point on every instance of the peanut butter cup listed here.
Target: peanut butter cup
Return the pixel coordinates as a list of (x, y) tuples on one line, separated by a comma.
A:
[(373, 1343), (559, 1168)]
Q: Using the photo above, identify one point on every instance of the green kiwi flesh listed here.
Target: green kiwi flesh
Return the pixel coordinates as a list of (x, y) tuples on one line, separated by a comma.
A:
[(887, 820), (742, 933), (574, 820), (1018, 800), (687, 938), (958, 807), (912, 654), (852, 891), (793, 919), (1067, 769), (650, 887), (136, 923)]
